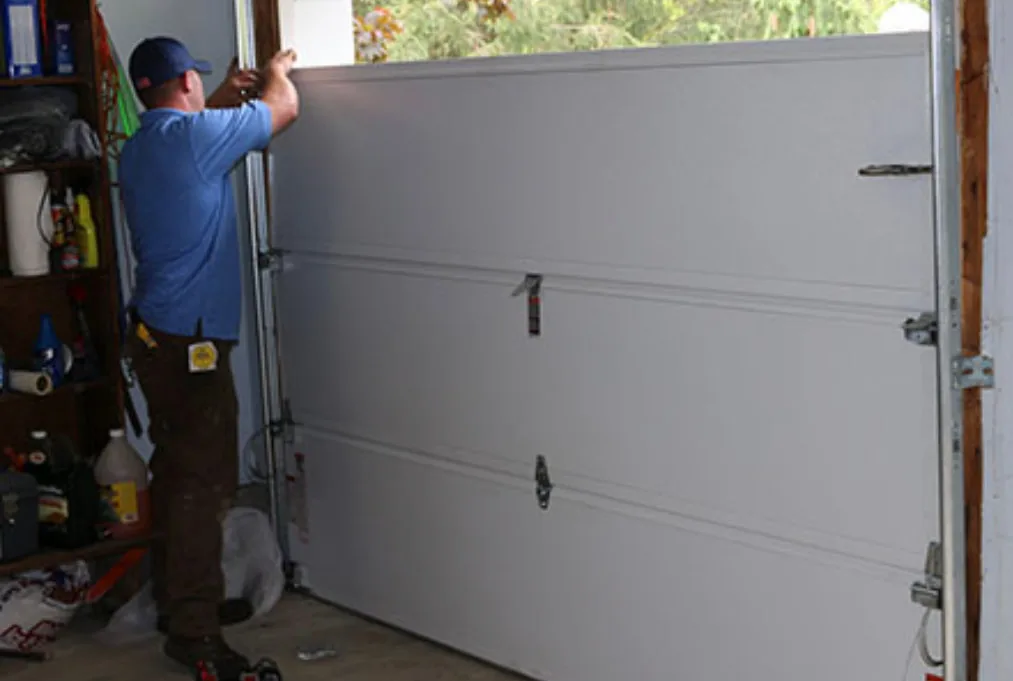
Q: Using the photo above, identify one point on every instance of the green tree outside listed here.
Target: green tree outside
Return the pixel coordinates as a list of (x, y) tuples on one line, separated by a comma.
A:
[(437, 29)]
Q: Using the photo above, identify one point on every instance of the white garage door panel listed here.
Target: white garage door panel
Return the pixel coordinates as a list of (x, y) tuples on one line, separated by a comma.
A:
[(745, 168), (681, 414), (742, 442), (542, 592)]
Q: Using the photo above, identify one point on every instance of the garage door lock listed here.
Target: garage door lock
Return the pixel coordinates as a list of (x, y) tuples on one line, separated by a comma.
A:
[(543, 484)]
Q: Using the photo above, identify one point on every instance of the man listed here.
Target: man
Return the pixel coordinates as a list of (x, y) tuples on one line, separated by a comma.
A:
[(180, 208)]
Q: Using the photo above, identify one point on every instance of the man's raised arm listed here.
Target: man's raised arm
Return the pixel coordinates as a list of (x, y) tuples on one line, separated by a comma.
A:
[(279, 94)]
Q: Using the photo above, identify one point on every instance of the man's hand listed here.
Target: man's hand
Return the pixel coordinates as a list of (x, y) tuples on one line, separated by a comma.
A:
[(239, 86), (279, 93), (282, 62)]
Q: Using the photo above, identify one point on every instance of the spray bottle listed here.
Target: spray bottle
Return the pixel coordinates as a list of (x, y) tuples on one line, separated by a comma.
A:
[(49, 351)]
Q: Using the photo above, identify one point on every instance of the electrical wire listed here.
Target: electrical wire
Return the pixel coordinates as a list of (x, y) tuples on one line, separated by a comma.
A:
[(910, 655), (42, 210), (252, 467), (923, 642), (275, 428)]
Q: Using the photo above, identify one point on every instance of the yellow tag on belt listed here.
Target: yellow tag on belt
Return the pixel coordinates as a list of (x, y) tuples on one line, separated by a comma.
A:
[(203, 357), (145, 336)]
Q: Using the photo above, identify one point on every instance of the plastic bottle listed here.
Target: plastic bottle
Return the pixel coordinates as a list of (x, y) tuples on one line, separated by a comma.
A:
[(53, 508), (123, 477), (49, 351), (87, 236), (68, 494), (37, 463), (66, 251)]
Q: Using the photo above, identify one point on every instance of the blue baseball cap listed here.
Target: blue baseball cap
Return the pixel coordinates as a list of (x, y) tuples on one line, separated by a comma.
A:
[(156, 61)]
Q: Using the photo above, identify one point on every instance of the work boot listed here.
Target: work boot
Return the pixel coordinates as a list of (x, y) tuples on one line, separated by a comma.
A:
[(230, 611), (208, 650)]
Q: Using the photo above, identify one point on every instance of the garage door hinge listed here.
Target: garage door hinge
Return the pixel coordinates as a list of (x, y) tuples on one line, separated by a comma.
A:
[(928, 592), (973, 372), (923, 330), (543, 484), (284, 424), (270, 259), (532, 286)]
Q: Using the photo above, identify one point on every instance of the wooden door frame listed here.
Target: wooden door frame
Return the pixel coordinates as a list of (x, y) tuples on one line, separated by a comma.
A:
[(973, 124), (973, 103)]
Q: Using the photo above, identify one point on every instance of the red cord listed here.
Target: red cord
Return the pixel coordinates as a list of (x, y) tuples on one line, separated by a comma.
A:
[(44, 26)]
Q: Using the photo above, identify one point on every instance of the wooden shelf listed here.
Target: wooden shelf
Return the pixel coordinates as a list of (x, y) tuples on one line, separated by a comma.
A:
[(84, 412), (66, 389), (48, 559), (48, 166), (11, 283), (43, 81)]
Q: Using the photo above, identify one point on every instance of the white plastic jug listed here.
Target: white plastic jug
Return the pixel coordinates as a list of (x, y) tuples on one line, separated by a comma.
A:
[(123, 477)]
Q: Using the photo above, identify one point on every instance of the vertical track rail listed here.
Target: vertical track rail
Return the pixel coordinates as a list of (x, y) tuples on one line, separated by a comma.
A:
[(947, 221), (263, 295)]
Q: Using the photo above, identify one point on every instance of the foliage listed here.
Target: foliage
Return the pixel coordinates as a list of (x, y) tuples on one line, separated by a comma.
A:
[(373, 33), (454, 29)]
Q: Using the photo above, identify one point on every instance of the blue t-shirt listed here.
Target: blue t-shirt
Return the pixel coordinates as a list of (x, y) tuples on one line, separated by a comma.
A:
[(180, 208)]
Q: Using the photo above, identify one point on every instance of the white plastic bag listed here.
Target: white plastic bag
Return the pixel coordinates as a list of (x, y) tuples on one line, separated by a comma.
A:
[(251, 565), (37, 605), (135, 621), (251, 560)]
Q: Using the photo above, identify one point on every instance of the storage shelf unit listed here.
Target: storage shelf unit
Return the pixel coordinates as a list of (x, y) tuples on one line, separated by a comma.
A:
[(27, 283), (44, 81), (51, 166), (68, 390), (86, 411), (50, 558)]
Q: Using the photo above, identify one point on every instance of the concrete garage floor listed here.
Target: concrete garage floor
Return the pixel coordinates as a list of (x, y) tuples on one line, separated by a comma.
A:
[(365, 652)]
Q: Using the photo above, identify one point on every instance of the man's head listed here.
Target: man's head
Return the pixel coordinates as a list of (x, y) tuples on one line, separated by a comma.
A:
[(165, 75)]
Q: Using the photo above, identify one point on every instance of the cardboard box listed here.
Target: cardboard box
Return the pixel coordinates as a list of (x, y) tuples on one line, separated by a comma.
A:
[(22, 38)]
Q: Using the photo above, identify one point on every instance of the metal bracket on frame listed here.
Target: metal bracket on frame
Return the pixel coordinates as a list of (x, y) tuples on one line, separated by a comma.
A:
[(968, 372), (973, 372), (270, 259), (928, 592), (283, 426)]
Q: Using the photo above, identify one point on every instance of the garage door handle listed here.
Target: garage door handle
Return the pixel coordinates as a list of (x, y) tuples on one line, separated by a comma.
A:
[(543, 483), (895, 170), (532, 286)]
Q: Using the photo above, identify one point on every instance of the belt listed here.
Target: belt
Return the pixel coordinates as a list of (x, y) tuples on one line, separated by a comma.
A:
[(142, 331)]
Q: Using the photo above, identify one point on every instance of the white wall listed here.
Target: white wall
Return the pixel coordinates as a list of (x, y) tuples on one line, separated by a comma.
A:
[(319, 30), (997, 601), (207, 27)]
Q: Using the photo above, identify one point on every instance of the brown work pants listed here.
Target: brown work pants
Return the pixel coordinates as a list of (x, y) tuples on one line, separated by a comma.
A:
[(194, 428)]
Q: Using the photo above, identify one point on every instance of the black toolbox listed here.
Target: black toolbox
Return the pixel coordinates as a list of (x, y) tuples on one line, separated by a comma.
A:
[(19, 515)]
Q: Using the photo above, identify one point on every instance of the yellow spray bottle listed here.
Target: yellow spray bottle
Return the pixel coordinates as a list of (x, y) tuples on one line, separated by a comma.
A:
[(87, 236)]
